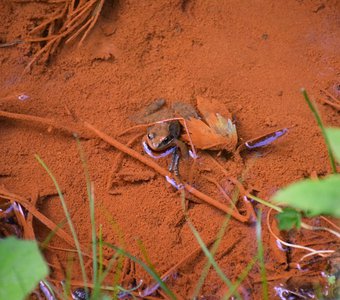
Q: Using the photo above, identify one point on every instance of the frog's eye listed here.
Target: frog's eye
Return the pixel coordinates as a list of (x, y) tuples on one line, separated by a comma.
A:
[(166, 140), (151, 136)]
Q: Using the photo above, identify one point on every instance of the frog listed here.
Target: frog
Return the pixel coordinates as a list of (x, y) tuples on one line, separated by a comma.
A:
[(215, 130), (164, 136)]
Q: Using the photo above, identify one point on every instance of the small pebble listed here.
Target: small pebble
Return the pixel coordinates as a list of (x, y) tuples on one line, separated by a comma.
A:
[(265, 36), (68, 75), (23, 97), (80, 294), (269, 122)]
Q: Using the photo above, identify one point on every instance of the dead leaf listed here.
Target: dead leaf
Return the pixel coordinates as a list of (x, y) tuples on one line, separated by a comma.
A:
[(208, 106), (104, 50), (219, 133)]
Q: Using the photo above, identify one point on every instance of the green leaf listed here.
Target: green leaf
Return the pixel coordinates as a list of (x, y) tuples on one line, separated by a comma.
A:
[(22, 267), (331, 280), (289, 218), (333, 135), (314, 197)]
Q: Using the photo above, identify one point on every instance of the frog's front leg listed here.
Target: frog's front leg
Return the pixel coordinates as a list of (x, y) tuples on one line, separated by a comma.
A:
[(180, 150), (175, 162)]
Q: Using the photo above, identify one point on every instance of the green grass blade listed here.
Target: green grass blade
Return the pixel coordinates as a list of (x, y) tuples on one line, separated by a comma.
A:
[(211, 258), (68, 217), (107, 270), (213, 251), (261, 256), (205, 249), (154, 275), (264, 202), (121, 241), (145, 254), (118, 273), (241, 277), (67, 282), (319, 121), (100, 251), (90, 195), (51, 234)]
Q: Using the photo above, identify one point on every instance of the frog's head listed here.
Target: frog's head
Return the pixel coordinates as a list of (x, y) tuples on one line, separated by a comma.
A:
[(162, 135)]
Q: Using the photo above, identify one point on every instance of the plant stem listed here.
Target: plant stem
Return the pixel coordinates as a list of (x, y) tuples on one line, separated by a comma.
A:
[(90, 195), (68, 217), (240, 278), (206, 251), (319, 121), (260, 254), (152, 273), (266, 203), (213, 251)]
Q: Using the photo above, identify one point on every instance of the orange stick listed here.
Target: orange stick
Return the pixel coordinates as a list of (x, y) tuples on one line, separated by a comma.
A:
[(83, 27), (117, 162), (225, 195), (330, 96), (45, 121), (42, 218), (165, 173), (330, 103), (94, 19), (136, 155), (53, 18)]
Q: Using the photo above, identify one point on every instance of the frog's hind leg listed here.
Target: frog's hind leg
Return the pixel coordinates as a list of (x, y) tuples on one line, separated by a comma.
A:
[(175, 162), (183, 148), (151, 113)]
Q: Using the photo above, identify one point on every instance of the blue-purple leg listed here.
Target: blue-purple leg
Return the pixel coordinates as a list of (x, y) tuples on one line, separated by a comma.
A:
[(175, 162)]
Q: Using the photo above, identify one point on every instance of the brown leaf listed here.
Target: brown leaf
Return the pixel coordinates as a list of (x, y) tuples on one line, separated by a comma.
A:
[(220, 133), (204, 137), (210, 107)]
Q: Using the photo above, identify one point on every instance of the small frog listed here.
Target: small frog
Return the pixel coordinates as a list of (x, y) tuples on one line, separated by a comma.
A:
[(215, 131), (164, 135)]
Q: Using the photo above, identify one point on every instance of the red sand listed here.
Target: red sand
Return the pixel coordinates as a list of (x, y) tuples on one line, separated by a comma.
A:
[(252, 58)]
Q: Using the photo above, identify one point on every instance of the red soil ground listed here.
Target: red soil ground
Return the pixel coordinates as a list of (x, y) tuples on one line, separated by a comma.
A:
[(252, 57)]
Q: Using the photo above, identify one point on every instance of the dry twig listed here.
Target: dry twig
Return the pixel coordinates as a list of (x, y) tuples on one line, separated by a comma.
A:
[(68, 22), (49, 122), (335, 103), (142, 159), (42, 218), (165, 173)]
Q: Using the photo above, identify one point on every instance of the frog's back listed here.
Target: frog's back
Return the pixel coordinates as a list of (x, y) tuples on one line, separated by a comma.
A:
[(157, 111), (154, 112), (185, 110)]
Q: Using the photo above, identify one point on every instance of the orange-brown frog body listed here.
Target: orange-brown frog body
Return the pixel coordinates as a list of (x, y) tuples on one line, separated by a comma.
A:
[(165, 133)]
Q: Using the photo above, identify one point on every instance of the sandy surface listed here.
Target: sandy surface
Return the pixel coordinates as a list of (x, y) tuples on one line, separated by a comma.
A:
[(254, 59)]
